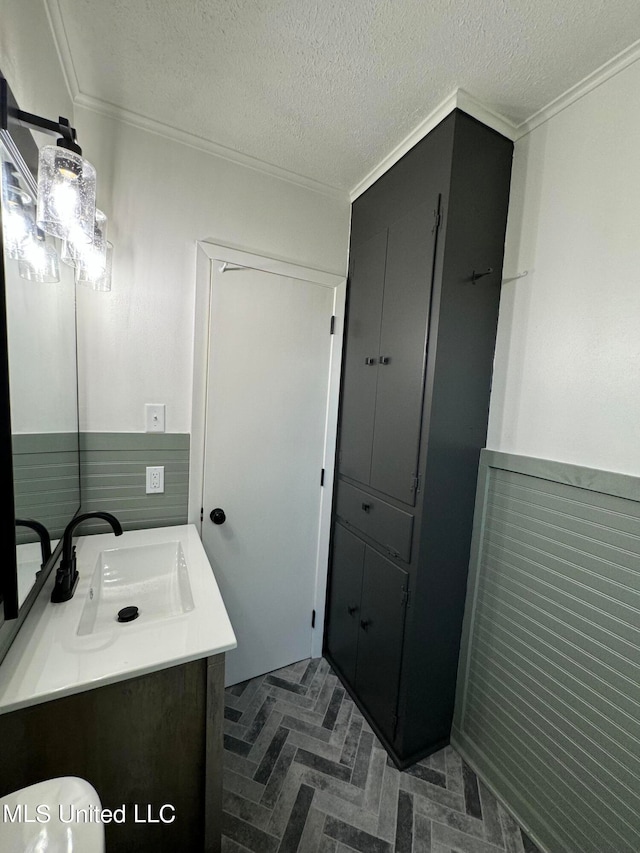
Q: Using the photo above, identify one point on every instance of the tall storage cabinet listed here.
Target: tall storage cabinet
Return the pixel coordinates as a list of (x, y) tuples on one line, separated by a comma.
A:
[(427, 242)]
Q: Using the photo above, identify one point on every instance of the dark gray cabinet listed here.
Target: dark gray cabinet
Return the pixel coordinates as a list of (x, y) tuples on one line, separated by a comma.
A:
[(382, 392), (367, 623), (348, 564), (427, 242), (382, 615)]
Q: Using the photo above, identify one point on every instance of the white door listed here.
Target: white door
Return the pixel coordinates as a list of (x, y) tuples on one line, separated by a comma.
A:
[(267, 386)]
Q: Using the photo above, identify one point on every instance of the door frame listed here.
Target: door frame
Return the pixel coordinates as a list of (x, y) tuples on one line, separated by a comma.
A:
[(209, 254)]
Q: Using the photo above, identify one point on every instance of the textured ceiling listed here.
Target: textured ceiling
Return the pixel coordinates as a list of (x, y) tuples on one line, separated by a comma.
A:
[(327, 88)]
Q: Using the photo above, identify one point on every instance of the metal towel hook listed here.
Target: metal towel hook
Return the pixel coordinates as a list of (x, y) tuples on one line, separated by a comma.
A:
[(515, 277), (476, 275)]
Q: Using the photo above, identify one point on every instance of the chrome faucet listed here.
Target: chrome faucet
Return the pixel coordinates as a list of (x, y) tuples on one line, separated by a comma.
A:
[(67, 574), (43, 534)]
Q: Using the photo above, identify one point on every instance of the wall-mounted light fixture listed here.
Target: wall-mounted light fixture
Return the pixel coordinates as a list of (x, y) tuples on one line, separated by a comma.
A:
[(66, 204)]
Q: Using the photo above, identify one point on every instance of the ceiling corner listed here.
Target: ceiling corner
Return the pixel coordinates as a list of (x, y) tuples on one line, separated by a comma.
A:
[(458, 99), (488, 116), (609, 69), (61, 43)]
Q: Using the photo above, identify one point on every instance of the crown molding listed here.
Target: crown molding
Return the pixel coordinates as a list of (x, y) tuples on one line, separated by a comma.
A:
[(606, 71), (426, 126), (80, 99), (464, 101), (475, 108), (457, 100), (207, 146), (61, 43)]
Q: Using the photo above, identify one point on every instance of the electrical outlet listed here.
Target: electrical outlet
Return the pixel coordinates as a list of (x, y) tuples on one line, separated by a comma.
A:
[(154, 417), (155, 479)]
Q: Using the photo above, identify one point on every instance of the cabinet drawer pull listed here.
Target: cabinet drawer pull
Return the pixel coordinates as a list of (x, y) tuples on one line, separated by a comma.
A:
[(351, 610), (384, 359), (366, 507), (364, 624), (370, 360)]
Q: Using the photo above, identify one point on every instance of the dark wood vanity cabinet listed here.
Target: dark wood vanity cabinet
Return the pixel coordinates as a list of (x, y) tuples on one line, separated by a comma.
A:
[(150, 741), (427, 242)]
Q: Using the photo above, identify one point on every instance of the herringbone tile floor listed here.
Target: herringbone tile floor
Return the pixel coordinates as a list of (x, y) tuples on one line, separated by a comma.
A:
[(304, 772)]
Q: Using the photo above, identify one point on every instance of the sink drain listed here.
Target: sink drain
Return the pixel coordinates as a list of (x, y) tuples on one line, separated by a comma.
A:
[(128, 614)]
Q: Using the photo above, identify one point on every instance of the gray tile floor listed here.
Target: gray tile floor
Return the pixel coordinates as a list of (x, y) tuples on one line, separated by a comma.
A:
[(304, 772)]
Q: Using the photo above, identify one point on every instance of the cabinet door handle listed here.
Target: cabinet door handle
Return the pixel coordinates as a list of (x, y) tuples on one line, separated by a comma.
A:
[(369, 360), (384, 359), (352, 609), (364, 624), (366, 507)]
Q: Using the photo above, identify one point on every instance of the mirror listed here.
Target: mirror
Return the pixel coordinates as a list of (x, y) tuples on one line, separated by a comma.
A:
[(39, 417)]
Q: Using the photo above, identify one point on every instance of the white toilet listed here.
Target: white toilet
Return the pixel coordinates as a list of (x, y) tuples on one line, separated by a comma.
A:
[(55, 816)]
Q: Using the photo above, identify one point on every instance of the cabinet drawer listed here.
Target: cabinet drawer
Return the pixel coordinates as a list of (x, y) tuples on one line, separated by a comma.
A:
[(390, 527)]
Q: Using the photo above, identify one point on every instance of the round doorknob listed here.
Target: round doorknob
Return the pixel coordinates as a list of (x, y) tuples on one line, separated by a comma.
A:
[(217, 516)]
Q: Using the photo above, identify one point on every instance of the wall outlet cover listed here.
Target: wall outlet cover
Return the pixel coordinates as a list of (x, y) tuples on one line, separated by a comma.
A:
[(155, 479)]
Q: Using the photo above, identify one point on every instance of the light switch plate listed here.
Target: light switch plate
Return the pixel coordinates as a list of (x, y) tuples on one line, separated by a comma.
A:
[(154, 417)]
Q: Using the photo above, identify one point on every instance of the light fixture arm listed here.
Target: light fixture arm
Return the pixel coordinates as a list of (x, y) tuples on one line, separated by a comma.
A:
[(61, 128)]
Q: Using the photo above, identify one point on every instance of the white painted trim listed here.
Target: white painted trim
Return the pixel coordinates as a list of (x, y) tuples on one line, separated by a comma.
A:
[(457, 100), (609, 69), (426, 126), (279, 266), (329, 465), (464, 101), (174, 134), (97, 105), (61, 44), (199, 387), (209, 254), (493, 119)]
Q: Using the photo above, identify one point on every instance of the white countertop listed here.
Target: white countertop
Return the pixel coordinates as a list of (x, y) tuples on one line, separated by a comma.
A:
[(48, 659)]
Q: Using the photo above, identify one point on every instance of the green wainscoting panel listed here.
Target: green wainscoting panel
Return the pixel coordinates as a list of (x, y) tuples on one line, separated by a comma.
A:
[(113, 476), (548, 701), (46, 481)]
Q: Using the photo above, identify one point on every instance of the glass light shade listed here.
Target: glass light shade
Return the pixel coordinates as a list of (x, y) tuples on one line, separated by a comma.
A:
[(41, 261), (18, 227), (66, 194), (99, 243), (68, 253), (18, 214), (73, 249), (94, 270)]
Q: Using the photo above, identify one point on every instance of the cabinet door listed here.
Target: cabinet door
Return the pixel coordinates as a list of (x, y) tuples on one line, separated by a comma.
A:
[(344, 603), (403, 335), (384, 597), (361, 357)]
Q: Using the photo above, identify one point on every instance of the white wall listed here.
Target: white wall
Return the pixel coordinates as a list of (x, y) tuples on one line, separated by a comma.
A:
[(567, 368), (29, 60), (135, 343)]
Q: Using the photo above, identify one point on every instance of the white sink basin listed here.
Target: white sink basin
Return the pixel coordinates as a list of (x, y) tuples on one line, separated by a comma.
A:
[(154, 578)]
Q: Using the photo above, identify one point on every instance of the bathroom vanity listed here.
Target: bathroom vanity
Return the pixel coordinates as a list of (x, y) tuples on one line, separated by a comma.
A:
[(135, 708)]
